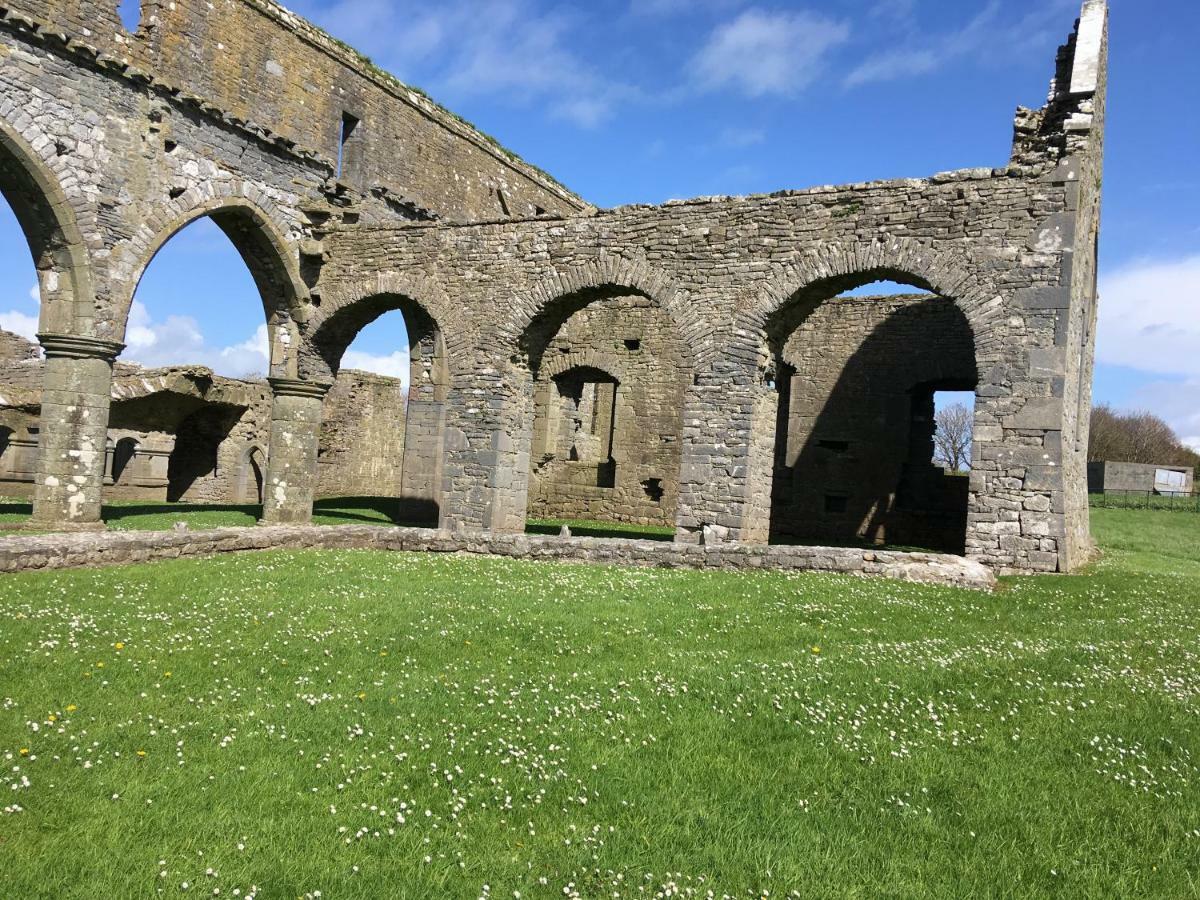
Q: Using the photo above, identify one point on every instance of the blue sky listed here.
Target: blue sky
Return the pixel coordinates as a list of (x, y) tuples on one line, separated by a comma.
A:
[(646, 100)]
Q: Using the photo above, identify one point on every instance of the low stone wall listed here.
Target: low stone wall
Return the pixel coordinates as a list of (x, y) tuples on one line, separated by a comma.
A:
[(64, 551)]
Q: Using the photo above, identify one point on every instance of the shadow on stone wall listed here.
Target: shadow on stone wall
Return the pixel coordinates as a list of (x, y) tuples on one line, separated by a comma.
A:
[(853, 458)]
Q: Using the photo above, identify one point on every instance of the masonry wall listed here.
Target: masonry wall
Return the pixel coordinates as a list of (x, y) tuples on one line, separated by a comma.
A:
[(259, 63), (194, 432), (628, 339), (362, 437), (112, 157)]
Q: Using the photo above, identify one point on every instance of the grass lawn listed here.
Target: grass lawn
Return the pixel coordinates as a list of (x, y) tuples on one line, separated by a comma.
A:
[(145, 516), (363, 724)]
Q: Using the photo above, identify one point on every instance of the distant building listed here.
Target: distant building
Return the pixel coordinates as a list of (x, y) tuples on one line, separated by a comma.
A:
[(1109, 477)]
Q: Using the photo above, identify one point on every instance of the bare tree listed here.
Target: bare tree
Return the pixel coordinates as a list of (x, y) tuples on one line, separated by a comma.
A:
[(952, 437), (1137, 437)]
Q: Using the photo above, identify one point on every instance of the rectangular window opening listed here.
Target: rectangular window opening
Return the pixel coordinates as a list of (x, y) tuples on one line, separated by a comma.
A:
[(347, 161), (836, 503), (834, 446)]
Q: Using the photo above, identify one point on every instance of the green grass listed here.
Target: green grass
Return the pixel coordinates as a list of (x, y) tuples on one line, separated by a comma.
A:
[(388, 725), (587, 528), (127, 515)]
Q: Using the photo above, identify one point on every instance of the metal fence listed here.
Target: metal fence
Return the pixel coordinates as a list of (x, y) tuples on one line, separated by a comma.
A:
[(1183, 501)]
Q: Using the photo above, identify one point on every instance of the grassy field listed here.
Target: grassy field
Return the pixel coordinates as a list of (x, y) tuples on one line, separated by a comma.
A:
[(358, 724)]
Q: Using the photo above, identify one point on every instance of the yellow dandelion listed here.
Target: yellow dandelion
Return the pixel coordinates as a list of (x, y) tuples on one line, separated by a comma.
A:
[(100, 665), (816, 649), (71, 707), (24, 751), (141, 754), (52, 718), (120, 645), (362, 695)]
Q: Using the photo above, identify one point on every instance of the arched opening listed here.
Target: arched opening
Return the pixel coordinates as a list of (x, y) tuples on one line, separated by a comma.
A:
[(210, 303), (250, 477), (383, 426), (44, 226), (603, 400), (41, 257), (123, 455), (858, 364)]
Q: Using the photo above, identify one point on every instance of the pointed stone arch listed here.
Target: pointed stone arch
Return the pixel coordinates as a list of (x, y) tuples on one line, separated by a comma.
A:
[(254, 233)]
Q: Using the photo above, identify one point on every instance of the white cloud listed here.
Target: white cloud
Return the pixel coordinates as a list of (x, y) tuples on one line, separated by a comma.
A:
[(393, 365), (20, 323), (760, 53), (504, 48), (178, 340), (894, 64), (991, 36), (1150, 317)]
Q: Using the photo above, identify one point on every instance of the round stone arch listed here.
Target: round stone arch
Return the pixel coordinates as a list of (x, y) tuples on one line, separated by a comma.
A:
[(254, 230), (838, 267), (351, 305), (584, 359), (32, 184), (822, 273), (608, 276)]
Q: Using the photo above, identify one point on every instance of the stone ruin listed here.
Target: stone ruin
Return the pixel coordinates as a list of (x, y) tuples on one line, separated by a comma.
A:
[(702, 364), (183, 434)]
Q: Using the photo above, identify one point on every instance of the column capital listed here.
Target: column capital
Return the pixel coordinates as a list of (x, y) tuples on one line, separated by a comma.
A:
[(73, 346), (294, 387)]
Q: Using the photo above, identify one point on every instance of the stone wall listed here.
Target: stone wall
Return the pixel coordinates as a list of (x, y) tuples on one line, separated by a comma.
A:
[(1136, 477), (606, 427), (185, 434), (362, 437), (111, 142), (33, 553)]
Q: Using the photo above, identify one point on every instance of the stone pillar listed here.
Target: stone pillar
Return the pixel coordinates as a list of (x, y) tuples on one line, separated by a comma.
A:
[(74, 430), (727, 457), (292, 457), (421, 471), (488, 433)]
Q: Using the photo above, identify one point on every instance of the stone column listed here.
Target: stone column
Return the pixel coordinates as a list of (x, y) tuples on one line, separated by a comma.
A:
[(727, 458), (74, 429), (292, 457), (486, 463)]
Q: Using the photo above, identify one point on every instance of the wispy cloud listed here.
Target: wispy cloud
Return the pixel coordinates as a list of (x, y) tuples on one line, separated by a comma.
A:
[(760, 53), (991, 35), (509, 49), (740, 138)]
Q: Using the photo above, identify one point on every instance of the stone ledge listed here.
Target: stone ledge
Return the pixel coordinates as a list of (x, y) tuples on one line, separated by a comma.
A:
[(66, 551)]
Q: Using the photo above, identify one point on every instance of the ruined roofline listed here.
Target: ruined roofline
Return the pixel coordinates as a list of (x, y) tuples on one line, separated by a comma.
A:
[(340, 51), (956, 176), (1087, 47), (124, 66)]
